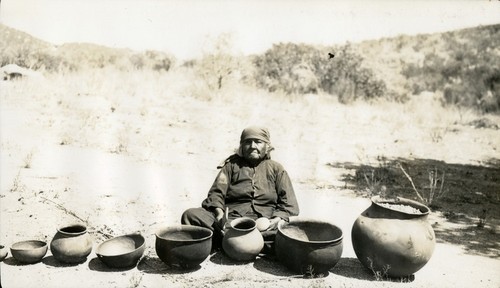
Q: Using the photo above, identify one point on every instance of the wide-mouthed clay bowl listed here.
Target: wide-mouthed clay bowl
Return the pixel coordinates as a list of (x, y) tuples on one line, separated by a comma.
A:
[(30, 251), (184, 246), (308, 246), (122, 251)]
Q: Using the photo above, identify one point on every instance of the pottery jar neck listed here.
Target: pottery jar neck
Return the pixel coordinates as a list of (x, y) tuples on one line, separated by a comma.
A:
[(378, 210), (243, 225), (72, 230)]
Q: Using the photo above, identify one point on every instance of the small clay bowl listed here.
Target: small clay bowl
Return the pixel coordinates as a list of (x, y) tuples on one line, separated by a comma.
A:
[(30, 251), (3, 252), (122, 251)]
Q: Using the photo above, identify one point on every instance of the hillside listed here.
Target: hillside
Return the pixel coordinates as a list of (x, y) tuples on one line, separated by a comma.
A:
[(27, 51), (460, 66), (394, 57)]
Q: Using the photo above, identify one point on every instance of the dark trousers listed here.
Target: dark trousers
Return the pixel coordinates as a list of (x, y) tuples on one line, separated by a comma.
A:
[(204, 218)]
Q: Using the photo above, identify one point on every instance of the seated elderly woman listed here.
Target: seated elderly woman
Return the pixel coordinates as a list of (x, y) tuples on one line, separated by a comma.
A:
[(249, 184)]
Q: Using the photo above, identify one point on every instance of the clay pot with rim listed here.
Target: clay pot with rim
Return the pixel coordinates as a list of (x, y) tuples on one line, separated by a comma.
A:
[(29, 251), (308, 246), (184, 246), (71, 244), (393, 236), (242, 241), (122, 251)]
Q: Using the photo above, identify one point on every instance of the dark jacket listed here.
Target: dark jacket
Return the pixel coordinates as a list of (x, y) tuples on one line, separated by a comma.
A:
[(266, 189)]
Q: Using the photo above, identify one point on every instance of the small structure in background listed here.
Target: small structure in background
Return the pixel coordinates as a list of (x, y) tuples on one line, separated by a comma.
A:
[(11, 72)]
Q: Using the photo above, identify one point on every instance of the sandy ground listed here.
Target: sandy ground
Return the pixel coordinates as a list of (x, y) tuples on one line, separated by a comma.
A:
[(134, 163)]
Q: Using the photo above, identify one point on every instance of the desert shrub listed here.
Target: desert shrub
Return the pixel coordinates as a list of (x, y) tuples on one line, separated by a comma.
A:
[(347, 77), (31, 58), (219, 65), (158, 61), (153, 60), (467, 72), (281, 67), (300, 68)]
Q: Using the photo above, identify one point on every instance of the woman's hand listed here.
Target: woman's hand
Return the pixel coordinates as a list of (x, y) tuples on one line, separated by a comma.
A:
[(220, 218), (273, 223), (219, 214)]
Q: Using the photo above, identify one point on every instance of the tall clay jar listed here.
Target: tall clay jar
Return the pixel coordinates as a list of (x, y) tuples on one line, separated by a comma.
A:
[(71, 244), (393, 236), (242, 241)]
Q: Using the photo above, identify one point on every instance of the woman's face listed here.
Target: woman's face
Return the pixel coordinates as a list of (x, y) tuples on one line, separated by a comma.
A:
[(254, 149)]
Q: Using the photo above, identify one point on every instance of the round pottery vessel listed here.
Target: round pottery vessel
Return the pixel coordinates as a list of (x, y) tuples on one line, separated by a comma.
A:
[(30, 251), (308, 246), (262, 223), (242, 241), (71, 244), (3, 252), (185, 246), (388, 238), (121, 252)]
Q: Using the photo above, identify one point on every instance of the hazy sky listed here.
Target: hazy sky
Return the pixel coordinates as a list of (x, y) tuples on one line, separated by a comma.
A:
[(184, 27)]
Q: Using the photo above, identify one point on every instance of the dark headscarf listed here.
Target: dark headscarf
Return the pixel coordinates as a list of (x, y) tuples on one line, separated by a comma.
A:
[(255, 132)]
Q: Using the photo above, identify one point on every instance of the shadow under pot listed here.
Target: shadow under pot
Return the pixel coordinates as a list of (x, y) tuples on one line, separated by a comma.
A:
[(71, 244)]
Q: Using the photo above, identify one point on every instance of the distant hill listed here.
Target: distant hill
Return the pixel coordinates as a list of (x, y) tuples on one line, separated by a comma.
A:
[(17, 40), (17, 47), (432, 54), (463, 65)]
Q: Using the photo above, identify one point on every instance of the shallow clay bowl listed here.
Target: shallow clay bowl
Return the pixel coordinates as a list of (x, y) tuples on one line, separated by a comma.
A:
[(30, 251), (184, 246), (122, 251)]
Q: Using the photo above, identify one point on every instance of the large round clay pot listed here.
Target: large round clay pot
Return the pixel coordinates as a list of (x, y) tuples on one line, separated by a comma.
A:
[(242, 241), (390, 238), (71, 244), (308, 246), (184, 246)]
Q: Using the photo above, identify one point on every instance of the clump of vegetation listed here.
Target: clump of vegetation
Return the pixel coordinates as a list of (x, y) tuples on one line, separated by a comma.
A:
[(218, 66), (482, 218), (28, 160), (435, 188), (310, 273), (300, 68), (466, 70), (379, 275), (17, 186)]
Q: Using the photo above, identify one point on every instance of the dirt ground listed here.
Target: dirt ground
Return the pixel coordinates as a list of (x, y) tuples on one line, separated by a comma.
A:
[(133, 161)]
